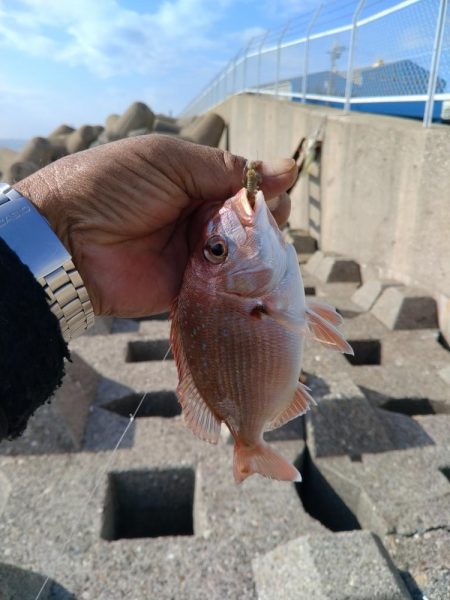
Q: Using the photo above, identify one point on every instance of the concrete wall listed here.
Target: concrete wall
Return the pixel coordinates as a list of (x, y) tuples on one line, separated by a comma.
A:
[(384, 185)]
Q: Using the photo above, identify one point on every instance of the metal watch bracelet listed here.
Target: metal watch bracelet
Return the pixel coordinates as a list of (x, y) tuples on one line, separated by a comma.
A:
[(29, 234)]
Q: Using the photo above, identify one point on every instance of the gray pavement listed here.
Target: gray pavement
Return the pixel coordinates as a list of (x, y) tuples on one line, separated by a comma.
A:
[(161, 517)]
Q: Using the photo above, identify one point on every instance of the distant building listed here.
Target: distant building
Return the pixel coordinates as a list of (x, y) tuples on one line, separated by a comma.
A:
[(378, 82)]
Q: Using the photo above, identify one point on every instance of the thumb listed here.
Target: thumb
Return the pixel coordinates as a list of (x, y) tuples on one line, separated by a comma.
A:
[(212, 175)]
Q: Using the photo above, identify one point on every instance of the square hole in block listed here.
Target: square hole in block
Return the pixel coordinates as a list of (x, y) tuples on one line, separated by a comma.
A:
[(149, 503), (146, 350), (409, 406), (443, 342), (446, 472), (163, 403), (161, 317), (322, 501), (310, 290), (367, 352)]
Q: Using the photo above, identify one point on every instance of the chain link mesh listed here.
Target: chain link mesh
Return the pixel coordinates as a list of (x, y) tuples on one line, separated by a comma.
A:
[(311, 59)]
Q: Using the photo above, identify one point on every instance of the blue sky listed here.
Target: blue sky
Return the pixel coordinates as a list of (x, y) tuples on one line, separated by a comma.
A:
[(77, 61)]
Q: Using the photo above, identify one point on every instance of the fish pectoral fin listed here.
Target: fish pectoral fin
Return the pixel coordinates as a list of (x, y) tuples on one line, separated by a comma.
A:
[(327, 312), (196, 413), (321, 320), (301, 402)]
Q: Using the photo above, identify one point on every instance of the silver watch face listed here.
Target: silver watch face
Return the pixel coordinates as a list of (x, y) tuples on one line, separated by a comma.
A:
[(26, 232)]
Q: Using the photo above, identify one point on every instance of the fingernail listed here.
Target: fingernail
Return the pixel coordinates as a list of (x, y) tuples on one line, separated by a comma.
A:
[(278, 166), (274, 203)]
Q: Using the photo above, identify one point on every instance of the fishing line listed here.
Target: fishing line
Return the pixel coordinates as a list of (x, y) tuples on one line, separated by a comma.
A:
[(101, 471), (98, 479)]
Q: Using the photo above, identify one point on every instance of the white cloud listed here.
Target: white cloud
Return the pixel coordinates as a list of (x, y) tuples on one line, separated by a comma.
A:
[(107, 38)]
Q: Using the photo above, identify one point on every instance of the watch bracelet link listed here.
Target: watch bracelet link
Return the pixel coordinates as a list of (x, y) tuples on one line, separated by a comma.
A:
[(68, 300), (66, 293)]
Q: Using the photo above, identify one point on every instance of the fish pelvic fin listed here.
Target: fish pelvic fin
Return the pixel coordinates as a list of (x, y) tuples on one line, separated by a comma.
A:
[(301, 403), (197, 415), (262, 459), (321, 320)]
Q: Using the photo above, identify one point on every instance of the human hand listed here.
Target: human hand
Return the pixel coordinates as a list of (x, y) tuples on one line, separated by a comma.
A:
[(123, 211)]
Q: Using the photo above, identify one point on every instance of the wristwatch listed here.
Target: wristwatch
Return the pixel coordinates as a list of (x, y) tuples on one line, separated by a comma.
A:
[(29, 234)]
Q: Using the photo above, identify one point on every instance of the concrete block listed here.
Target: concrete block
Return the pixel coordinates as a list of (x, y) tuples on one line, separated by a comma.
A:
[(424, 562), (406, 308), (162, 125), (141, 131), (110, 124), (185, 121), (344, 566), (437, 427), (206, 130), (19, 170), (103, 138), (369, 292), (401, 493), (17, 584), (443, 302), (444, 374), (303, 242), (58, 144), (229, 521), (80, 139), (102, 326), (5, 490), (61, 130), (79, 390), (137, 116), (38, 151), (314, 262), (337, 269), (97, 129), (345, 424), (7, 158)]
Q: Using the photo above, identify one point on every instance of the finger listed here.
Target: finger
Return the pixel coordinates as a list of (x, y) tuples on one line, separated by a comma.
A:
[(280, 207), (212, 175), (278, 176)]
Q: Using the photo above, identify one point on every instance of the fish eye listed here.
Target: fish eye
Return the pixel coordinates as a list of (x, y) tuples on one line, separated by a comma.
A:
[(215, 249)]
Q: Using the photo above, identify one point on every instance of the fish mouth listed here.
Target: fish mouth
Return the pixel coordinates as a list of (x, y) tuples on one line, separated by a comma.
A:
[(260, 245), (251, 214)]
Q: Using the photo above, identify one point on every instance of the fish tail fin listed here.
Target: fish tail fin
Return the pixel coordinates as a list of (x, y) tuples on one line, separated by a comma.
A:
[(264, 460)]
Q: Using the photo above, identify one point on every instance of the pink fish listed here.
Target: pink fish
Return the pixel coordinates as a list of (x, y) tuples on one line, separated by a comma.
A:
[(238, 329)]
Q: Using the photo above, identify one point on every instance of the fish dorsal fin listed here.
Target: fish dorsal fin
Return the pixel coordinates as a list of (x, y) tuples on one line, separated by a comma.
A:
[(321, 320), (196, 413), (301, 402)]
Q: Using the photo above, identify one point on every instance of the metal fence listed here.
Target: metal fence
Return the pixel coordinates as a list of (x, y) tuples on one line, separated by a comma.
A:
[(393, 61)]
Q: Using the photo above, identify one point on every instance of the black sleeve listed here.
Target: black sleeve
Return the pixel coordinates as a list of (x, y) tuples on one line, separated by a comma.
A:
[(32, 349)]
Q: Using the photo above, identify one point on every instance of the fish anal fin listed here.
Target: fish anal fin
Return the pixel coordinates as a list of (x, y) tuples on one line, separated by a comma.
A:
[(325, 332), (262, 459), (301, 402), (196, 413)]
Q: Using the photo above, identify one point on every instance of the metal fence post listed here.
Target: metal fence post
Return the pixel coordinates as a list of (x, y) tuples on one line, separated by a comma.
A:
[(305, 66), (258, 80), (225, 81), (435, 59), (351, 55), (280, 40), (233, 91), (244, 78)]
